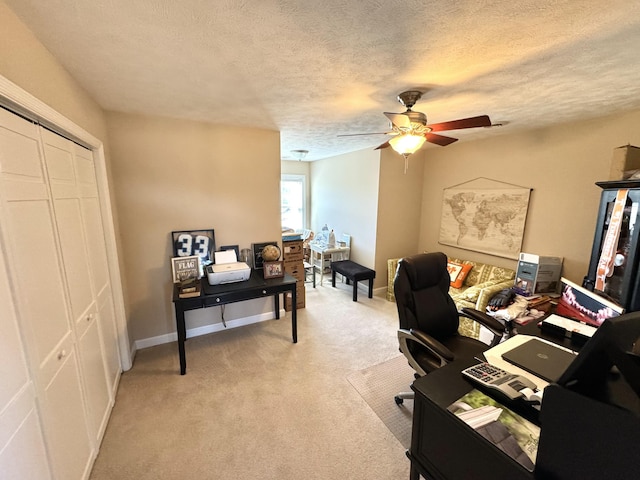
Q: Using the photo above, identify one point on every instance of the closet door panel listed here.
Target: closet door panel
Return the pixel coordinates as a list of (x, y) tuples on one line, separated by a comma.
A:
[(14, 376), (94, 231), (107, 324), (66, 427), (37, 272), (19, 147), (96, 386), (58, 155), (95, 243), (22, 451), (76, 263), (23, 457)]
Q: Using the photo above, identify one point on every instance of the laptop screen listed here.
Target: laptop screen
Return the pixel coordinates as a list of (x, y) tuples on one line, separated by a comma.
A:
[(580, 304)]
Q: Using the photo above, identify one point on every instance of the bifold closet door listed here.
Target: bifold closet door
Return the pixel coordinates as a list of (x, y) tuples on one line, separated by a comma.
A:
[(98, 262), (72, 196), (34, 261)]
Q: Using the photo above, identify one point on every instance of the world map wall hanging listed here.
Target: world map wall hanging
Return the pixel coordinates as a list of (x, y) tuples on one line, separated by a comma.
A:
[(485, 216)]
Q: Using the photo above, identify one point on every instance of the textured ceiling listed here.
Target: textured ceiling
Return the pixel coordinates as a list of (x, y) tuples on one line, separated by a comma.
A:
[(316, 69)]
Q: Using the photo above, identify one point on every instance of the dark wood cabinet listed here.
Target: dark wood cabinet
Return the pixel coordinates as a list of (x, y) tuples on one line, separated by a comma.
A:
[(613, 267)]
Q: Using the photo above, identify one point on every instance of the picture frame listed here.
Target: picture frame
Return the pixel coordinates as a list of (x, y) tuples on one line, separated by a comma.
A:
[(202, 243), (184, 268), (273, 269), (257, 253)]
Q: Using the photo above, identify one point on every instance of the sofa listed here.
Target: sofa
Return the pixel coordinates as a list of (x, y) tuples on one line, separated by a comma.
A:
[(481, 283)]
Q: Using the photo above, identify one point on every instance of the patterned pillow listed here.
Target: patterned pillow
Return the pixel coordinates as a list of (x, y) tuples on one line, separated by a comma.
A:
[(457, 273), (501, 274)]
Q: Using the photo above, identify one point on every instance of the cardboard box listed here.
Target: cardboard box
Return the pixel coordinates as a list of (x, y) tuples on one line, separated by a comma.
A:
[(292, 250), (537, 274), (625, 162), (300, 297)]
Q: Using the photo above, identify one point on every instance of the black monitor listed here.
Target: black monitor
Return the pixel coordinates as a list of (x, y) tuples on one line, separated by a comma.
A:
[(613, 351)]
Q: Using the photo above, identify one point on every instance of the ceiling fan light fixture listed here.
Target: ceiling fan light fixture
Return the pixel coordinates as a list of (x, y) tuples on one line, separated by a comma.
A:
[(407, 143)]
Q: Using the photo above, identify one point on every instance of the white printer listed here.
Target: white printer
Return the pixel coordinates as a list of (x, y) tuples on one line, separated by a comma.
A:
[(227, 269)]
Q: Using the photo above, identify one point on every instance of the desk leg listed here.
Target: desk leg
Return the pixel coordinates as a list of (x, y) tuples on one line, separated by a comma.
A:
[(276, 305), (294, 314), (182, 336), (414, 473)]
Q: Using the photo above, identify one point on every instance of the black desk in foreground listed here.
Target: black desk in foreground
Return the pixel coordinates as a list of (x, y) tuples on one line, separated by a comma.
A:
[(214, 295), (580, 437)]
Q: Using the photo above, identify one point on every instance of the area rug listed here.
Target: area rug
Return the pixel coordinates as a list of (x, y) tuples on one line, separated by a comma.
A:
[(378, 385)]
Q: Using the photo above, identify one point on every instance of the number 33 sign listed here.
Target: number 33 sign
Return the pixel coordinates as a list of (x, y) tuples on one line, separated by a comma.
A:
[(194, 242)]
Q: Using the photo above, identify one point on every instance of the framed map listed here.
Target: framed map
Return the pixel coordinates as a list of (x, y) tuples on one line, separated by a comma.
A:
[(487, 220)]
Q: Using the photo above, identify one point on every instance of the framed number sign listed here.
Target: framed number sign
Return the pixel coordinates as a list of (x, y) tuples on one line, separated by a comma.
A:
[(188, 243)]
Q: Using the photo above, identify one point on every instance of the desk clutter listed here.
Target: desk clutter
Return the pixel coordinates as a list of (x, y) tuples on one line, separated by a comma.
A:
[(293, 258), (227, 269)]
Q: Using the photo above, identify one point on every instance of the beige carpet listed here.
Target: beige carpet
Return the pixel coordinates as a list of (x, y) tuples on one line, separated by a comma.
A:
[(253, 405), (378, 385)]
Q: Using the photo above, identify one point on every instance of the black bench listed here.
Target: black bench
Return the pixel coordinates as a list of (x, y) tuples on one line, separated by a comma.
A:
[(353, 272)]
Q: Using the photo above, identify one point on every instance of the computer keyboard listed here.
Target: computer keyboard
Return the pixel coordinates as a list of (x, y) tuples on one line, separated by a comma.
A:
[(510, 384)]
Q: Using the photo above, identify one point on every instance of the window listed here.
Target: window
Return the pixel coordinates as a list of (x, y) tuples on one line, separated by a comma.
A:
[(292, 201)]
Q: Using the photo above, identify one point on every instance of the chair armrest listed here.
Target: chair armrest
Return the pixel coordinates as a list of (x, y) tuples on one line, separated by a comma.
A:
[(495, 326), (435, 347)]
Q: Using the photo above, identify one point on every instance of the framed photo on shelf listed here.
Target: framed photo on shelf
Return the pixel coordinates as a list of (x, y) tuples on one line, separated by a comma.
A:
[(273, 269), (257, 253), (202, 243), (185, 268)]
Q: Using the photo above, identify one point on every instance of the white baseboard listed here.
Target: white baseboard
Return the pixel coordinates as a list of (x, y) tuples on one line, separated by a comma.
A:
[(203, 330)]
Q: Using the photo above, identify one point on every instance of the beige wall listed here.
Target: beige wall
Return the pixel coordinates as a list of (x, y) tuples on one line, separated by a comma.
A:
[(345, 197), (184, 175), (399, 207), (28, 64), (561, 165)]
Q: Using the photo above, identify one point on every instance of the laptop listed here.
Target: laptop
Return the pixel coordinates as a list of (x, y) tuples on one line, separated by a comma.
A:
[(540, 358)]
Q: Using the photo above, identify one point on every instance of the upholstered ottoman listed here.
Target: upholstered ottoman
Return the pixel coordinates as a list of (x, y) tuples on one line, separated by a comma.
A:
[(353, 272)]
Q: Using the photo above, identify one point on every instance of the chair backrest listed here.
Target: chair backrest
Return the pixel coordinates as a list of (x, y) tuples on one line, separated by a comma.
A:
[(421, 288)]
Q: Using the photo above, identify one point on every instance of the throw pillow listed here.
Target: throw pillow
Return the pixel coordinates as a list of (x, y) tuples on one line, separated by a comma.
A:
[(457, 273)]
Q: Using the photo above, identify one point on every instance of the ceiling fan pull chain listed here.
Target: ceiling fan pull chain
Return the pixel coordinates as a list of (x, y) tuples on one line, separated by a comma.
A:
[(406, 163)]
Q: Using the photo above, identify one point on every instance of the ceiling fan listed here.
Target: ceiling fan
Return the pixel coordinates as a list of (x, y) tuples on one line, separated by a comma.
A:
[(410, 129)]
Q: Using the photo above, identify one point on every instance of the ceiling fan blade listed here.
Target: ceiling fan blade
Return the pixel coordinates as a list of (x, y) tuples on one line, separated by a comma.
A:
[(384, 145), (440, 139), (359, 134), (471, 122), (400, 120)]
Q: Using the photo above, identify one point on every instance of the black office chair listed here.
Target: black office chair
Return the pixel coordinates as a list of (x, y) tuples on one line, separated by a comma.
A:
[(429, 319)]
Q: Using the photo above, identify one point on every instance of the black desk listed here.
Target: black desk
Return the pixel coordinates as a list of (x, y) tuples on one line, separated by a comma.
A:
[(211, 296), (580, 437), (444, 447)]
